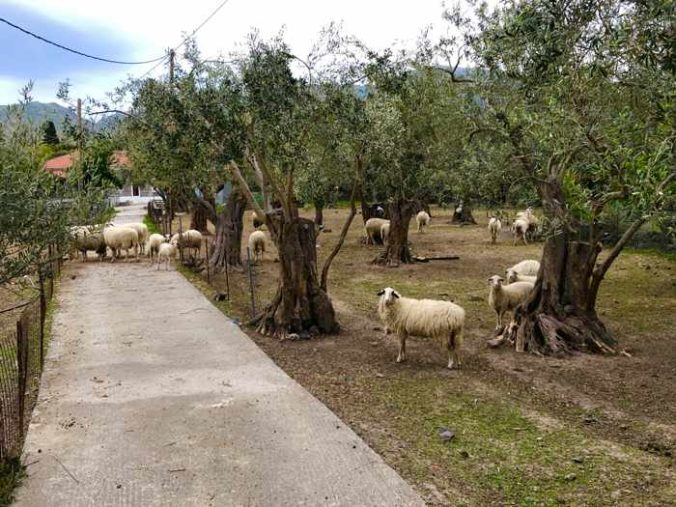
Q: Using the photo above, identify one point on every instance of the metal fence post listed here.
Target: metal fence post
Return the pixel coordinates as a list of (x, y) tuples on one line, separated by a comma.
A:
[(21, 370), (252, 284), (206, 252), (227, 275), (43, 312)]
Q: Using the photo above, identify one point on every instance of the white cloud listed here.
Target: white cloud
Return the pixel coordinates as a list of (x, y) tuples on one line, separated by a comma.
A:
[(154, 25)]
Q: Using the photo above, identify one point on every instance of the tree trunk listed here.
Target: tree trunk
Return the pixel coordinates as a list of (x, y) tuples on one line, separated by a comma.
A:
[(462, 214), (319, 213), (198, 220), (229, 225), (397, 250), (299, 306)]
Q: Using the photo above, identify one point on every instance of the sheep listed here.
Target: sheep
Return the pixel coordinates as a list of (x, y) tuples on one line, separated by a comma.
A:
[(529, 217), (528, 267), (257, 220), (505, 298), (385, 232), (423, 220), (88, 238), (520, 228), (441, 320), (154, 242), (190, 239), (257, 244), (142, 230), (494, 227), (121, 238), (372, 228), (166, 252)]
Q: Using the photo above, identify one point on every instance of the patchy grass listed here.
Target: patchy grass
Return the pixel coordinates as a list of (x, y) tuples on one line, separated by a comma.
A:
[(11, 475), (153, 228), (585, 430)]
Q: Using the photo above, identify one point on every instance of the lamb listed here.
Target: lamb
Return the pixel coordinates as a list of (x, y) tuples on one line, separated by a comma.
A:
[(142, 231), (190, 239), (441, 320), (121, 238), (528, 267), (154, 242), (257, 244), (505, 298), (88, 238), (385, 232), (166, 252), (494, 227), (372, 228), (423, 220)]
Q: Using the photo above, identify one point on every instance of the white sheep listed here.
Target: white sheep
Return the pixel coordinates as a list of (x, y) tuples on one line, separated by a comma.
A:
[(385, 232), (529, 267), (166, 252), (423, 220), (257, 220), (529, 217), (372, 228), (441, 320), (154, 242), (516, 277), (257, 242), (85, 238), (520, 229), (190, 239), (142, 231), (121, 238), (494, 227), (505, 298)]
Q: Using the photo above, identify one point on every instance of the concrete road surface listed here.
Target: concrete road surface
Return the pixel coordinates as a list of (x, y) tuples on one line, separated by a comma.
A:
[(152, 397)]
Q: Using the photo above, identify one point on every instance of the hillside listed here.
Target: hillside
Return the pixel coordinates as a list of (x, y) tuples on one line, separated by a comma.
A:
[(38, 112)]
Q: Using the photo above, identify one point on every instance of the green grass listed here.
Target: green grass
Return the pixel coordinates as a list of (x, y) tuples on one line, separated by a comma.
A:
[(11, 475), (152, 226)]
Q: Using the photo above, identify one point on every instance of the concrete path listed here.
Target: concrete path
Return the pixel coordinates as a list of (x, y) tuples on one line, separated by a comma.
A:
[(152, 397)]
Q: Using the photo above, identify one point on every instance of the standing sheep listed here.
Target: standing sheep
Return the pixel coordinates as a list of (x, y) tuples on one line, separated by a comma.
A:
[(528, 267), (154, 242), (505, 298), (190, 239), (494, 227), (520, 229), (441, 320), (166, 252), (257, 220), (257, 244), (142, 231), (85, 238), (372, 228), (423, 220), (385, 232), (121, 238)]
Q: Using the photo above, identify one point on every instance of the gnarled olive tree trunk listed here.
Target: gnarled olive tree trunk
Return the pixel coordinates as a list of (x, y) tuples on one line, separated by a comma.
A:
[(300, 305), (319, 213), (198, 220), (397, 250), (227, 246)]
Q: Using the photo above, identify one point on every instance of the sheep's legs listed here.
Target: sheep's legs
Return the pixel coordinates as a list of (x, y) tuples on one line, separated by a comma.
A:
[(402, 348), (498, 324), (453, 344)]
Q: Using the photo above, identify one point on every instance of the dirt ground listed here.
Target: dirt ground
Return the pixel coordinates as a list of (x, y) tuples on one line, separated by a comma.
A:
[(584, 430)]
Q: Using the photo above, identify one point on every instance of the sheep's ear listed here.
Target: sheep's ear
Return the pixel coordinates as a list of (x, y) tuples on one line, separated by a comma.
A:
[(380, 293), (396, 294)]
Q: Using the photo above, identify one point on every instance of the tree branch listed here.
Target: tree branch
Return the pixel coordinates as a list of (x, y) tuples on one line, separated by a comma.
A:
[(237, 174)]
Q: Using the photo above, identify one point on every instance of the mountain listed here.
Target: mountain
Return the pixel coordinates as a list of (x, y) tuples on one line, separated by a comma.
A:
[(39, 112)]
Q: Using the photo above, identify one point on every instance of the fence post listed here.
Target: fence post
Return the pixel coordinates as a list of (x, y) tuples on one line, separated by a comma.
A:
[(43, 312), (252, 284), (227, 275), (206, 251), (21, 370)]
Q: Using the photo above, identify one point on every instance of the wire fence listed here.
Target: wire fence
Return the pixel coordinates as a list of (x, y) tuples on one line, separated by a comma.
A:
[(22, 353)]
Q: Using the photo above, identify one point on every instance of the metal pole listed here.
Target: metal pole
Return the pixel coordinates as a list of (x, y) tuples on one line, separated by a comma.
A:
[(21, 371), (180, 238), (43, 311), (251, 283), (206, 251), (227, 275)]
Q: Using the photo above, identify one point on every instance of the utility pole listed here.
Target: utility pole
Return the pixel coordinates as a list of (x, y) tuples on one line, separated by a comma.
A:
[(172, 56), (79, 140)]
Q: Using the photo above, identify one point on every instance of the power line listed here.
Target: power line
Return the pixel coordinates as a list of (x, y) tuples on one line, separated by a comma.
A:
[(75, 51)]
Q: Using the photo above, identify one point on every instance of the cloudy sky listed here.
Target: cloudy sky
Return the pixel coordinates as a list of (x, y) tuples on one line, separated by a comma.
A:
[(144, 29)]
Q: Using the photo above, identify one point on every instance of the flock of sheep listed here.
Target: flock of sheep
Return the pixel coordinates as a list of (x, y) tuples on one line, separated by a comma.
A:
[(445, 321), (132, 237)]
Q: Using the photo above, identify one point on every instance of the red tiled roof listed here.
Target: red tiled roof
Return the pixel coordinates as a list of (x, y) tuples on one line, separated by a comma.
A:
[(59, 166)]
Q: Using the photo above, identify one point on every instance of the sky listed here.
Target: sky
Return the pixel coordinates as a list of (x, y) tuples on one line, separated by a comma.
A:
[(144, 29)]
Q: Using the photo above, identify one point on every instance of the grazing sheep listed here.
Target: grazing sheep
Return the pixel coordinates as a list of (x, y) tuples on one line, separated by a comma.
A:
[(441, 320), (257, 220), (88, 238), (505, 298), (528, 267), (494, 227), (191, 239), (385, 232), (154, 242), (142, 230), (529, 217), (257, 244), (520, 228), (423, 220), (166, 252), (121, 238), (516, 277), (372, 228)]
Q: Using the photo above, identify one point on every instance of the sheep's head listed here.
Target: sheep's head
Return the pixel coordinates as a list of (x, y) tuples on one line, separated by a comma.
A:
[(511, 275), (388, 295), (496, 281)]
